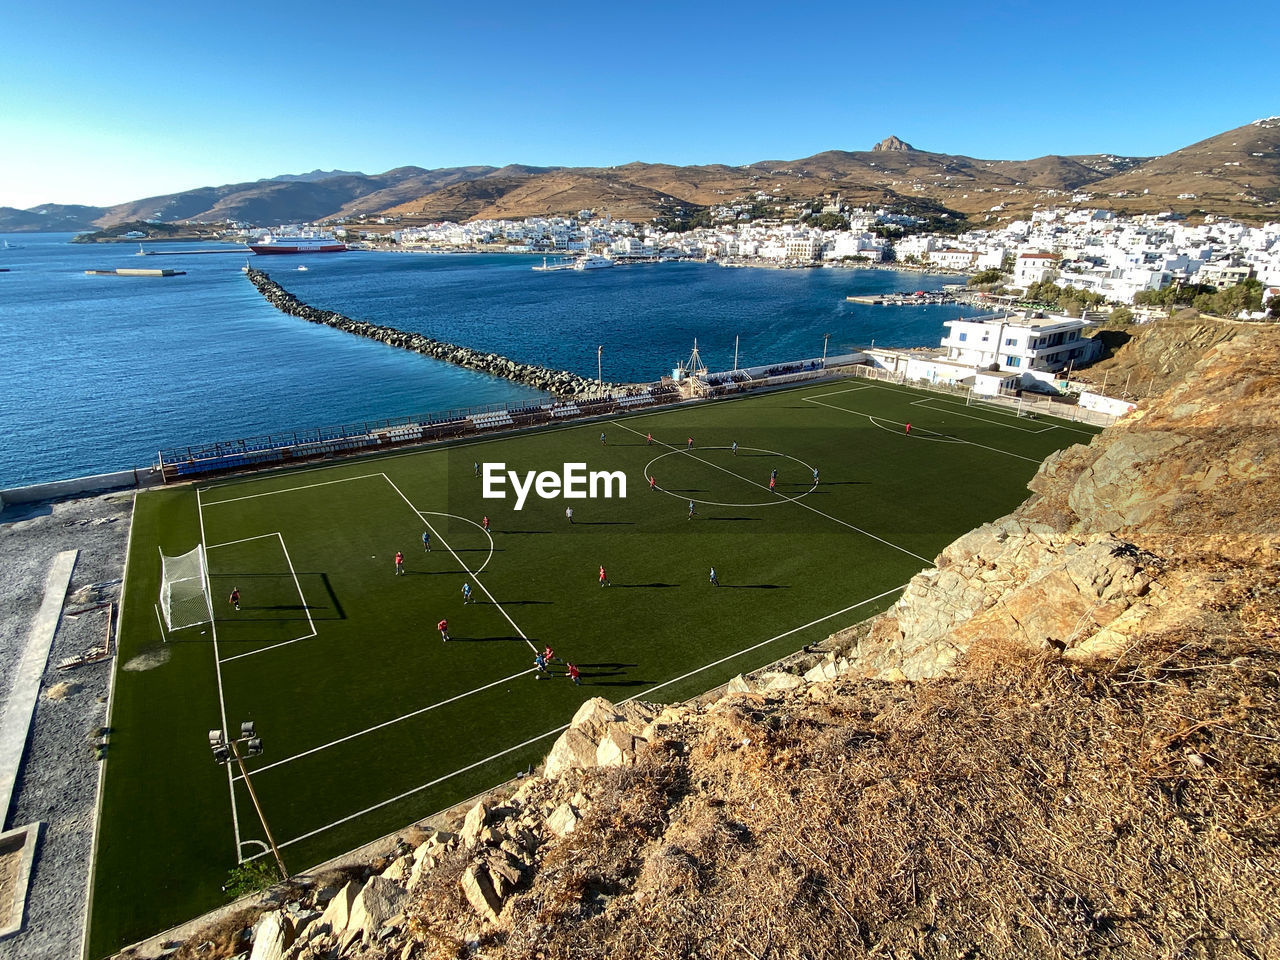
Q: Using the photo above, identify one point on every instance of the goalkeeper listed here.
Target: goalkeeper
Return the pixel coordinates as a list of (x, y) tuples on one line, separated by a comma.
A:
[(234, 599)]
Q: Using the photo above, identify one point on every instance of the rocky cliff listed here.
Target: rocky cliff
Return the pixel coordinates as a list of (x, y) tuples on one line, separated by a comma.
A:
[(1060, 742)]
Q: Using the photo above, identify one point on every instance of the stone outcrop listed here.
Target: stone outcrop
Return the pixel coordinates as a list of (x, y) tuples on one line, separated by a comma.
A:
[(892, 144), (559, 382)]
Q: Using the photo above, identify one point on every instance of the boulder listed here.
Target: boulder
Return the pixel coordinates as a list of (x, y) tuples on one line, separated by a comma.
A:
[(574, 750), (337, 916), (272, 936), (477, 817), (478, 889), (563, 820), (377, 903)]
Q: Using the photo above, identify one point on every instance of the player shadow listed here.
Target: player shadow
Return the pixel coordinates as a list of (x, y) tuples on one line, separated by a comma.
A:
[(596, 674), (633, 586), (754, 586)]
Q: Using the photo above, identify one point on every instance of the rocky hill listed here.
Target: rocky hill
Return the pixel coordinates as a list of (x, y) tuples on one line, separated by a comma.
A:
[(1060, 742)]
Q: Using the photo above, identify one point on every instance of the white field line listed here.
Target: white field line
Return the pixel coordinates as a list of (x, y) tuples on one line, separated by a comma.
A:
[(301, 597), (305, 486), (980, 446), (164, 636), (222, 702), (765, 643), (479, 583), (899, 389), (426, 786), (387, 723), (928, 404), (232, 543), (797, 502), (543, 736)]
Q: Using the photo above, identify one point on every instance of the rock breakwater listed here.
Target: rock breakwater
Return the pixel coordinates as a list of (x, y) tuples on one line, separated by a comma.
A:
[(559, 382)]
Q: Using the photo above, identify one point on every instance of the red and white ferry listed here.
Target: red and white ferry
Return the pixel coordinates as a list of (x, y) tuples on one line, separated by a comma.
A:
[(297, 243)]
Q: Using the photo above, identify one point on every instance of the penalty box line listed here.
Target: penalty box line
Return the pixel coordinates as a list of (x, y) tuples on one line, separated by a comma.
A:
[(296, 584), (930, 403), (563, 727), (473, 575), (765, 643), (426, 786), (796, 500), (980, 446), (387, 723)]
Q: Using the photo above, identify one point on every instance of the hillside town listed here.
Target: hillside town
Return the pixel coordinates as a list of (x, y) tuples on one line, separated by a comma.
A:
[(1098, 251)]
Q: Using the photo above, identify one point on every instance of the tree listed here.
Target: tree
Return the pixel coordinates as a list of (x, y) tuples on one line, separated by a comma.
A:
[(1273, 308), (986, 276)]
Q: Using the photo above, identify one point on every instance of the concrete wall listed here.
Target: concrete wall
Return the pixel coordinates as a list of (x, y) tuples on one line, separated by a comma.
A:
[(70, 488)]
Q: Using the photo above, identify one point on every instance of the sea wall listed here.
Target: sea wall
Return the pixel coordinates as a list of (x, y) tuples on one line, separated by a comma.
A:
[(77, 486), (559, 382)]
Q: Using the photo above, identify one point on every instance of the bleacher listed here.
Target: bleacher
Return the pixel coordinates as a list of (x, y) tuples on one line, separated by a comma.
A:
[(491, 421)]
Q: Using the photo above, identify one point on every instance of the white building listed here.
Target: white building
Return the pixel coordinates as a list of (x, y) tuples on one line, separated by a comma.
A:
[(1031, 268), (1019, 344)]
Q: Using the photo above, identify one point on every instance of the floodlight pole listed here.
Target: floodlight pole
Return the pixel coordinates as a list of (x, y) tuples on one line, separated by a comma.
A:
[(220, 745), (825, 338)]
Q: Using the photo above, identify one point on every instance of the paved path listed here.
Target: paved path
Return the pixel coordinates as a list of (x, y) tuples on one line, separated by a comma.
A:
[(21, 703)]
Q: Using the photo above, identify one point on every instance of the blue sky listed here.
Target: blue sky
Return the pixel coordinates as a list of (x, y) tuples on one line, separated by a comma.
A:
[(106, 102)]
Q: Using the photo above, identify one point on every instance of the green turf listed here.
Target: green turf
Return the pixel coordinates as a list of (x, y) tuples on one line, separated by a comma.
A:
[(330, 644)]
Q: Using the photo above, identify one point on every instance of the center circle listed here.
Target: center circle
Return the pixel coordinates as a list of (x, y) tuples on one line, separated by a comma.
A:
[(776, 499)]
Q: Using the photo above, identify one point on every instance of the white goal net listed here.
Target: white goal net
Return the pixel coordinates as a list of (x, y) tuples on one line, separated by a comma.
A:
[(184, 590)]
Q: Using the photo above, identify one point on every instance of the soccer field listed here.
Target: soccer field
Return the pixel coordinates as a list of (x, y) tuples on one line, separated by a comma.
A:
[(370, 721)]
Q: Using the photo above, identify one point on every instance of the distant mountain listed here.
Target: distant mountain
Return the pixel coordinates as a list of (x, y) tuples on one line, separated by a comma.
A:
[(1235, 173), (49, 218), (315, 175)]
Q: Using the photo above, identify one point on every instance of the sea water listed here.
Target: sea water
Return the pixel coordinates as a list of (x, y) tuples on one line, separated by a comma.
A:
[(98, 373)]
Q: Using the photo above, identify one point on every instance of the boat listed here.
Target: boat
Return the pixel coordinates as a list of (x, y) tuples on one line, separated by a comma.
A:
[(591, 261), (303, 267), (297, 243)]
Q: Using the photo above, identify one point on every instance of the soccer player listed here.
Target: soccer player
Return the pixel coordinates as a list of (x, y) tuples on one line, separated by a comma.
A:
[(572, 673), (815, 475), (475, 465), (690, 509), (426, 540), (649, 439), (604, 577), (548, 654), (234, 599), (568, 512), (908, 427), (540, 662), (773, 475), (772, 482), (653, 484), (715, 581), (485, 522), (690, 446), (735, 448), (443, 627), (399, 563), (466, 593), (602, 438)]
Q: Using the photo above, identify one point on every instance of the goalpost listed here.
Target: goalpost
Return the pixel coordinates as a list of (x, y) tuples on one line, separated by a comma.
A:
[(185, 600)]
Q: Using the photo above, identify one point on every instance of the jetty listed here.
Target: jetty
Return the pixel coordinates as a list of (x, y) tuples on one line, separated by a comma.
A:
[(905, 299), (559, 382), (136, 272)]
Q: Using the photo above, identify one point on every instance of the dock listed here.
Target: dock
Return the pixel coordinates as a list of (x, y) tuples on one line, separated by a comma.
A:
[(136, 272), (905, 299)]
